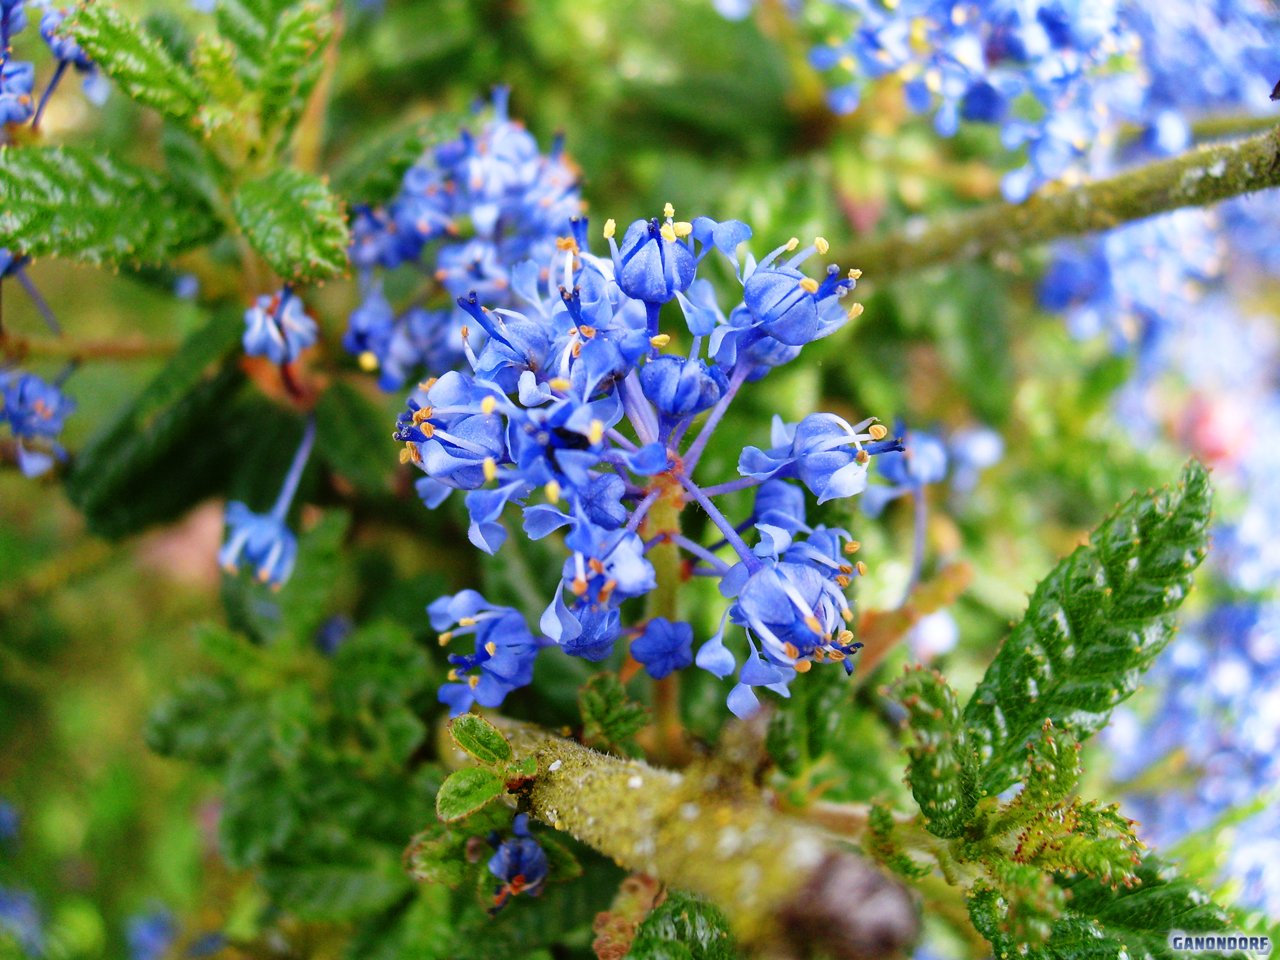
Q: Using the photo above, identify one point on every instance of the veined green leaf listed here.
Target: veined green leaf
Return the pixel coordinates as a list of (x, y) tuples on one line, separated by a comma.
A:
[(683, 927), (480, 738), (293, 65), (79, 202), (249, 25), (297, 225), (466, 791), (373, 171), (134, 59), (1092, 627)]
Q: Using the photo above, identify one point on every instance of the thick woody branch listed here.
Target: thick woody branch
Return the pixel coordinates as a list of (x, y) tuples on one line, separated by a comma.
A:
[(1197, 178), (787, 887)]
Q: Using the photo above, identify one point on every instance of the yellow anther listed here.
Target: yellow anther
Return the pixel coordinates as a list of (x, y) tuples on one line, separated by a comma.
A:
[(846, 615), (668, 233), (855, 274), (842, 581), (559, 383), (491, 648), (804, 666), (610, 228), (660, 340), (836, 655), (791, 650), (682, 228), (452, 676), (567, 243), (856, 311), (862, 456), (596, 565), (607, 590), (861, 567), (428, 384), (445, 638), (820, 244), (579, 586), (368, 361), (596, 433), (852, 547), (473, 681), (668, 211), (878, 431), (552, 490), (489, 404), (466, 331), (809, 285), (467, 622), (490, 469), (407, 453), (812, 623), (793, 243), (421, 416), (586, 330), (845, 637), (845, 568), (848, 63)]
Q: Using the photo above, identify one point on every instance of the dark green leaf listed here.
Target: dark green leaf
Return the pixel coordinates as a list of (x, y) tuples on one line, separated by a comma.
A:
[(942, 772), (377, 667), (135, 60), (438, 855), (467, 791), (610, 719), (306, 601), (166, 450), (373, 171), (297, 225), (683, 928), (80, 203), (335, 892), (293, 64), (480, 738), (354, 438), (201, 721), (261, 808), (1092, 627)]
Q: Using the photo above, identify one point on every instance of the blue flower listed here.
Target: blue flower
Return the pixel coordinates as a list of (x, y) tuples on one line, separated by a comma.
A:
[(64, 47), (788, 305), (21, 919), (519, 862), (664, 647), (277, 327), (823, 451), (151, 935), (504, 650), (35, 411), (922, 461), (17, 77), (681, 387), (263, 540), (655, 261)]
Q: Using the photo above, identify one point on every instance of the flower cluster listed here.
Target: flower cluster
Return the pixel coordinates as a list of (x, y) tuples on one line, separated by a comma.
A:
[(264, 540), (576, 411), (985, 60), (18, 104), (466, 214), (277, 327)]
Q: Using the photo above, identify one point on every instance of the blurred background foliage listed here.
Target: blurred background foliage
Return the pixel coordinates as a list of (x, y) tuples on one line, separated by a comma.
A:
[(657, 102)]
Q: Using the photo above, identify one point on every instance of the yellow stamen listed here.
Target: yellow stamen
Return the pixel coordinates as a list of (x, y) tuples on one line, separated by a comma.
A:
[(836, 655), (567, 243), (428, 384), (855, 274), (791, 650), (812, 623), (852, 547), (668, 211), (445, 638), (490, 469), (491, 648), (579, 586), (682, 228), (596, 433), (856, 311), (803, 666), (610, 228), (820, 244), (809, 285), (660, 340), (586, 330), (842, 581), (368, 361), (488, 405), (595, 565), (559, 383), (861, 567), (793, 243), (878, 431), (845, 637), (452, 676), (467, 622), (408, 453), (862, 456), (473, 681), (552, 490), (668, 233)]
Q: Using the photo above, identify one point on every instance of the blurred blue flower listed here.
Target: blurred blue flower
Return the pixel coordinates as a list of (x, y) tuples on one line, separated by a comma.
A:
[(20, 918), (519, 862), (35, 411), (664, 647), (150, 935), (277, 327)]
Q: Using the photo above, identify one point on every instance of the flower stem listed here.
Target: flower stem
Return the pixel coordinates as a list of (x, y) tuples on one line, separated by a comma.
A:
[(664, 520), (1199, 177)]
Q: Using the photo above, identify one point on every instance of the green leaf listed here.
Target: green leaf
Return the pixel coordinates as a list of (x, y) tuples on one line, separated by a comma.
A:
[(201, 721), (249, 25), (352, 438), (214, 62), (335, 892), (127, 53), (942, 772), (466, 791), (610, 719), (78, 202), (297, 225), (1092, 627), (306, 601), (480, 738), (373, 171), (683, 928), (293, 64), (1102, 923), (261, 807), (167, 449), (378, 667)]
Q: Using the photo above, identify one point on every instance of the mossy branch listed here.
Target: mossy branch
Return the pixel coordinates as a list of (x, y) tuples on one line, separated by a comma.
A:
[(1196, 178), (786, 887)]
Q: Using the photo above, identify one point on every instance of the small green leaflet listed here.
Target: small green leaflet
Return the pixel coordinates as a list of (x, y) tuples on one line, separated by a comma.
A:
[(466, 791), (297, 225), (480, 738)]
